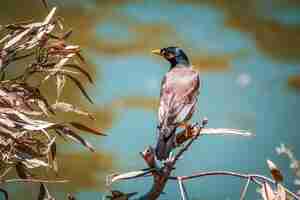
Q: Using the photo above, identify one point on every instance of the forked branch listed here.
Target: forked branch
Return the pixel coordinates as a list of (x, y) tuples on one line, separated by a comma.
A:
[(161, 175)]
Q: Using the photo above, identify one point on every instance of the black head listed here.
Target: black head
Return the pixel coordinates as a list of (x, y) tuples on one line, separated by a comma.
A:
[(174, 55)]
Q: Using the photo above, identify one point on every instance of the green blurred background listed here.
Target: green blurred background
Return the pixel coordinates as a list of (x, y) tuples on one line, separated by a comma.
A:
[(248, 53)]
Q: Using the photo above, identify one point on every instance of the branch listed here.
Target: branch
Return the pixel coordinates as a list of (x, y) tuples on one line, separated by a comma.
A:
[(245, 189), (161, 175), (182, 189), (255, 178)]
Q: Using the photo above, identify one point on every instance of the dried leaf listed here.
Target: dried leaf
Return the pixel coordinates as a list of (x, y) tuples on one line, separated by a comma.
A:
[(225, 131), (49, 16), (31, 124), (81, 70), (34, 163), (45, 3), (57, 67), (60, 23), (60, 83), (70, 197), (43, 107), (267, 192), (5, 38), (281, 193), (67, 34), (44, 193), (66, 107), (75, 137), (21, 171), (53, 157), (86, 128), (16, 39), (7, 122), (25, 151), (275, 172), (80, 57), (79, 85), (130, 175)]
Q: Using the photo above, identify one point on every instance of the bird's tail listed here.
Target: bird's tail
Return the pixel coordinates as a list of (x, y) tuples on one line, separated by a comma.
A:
[(165, 142)]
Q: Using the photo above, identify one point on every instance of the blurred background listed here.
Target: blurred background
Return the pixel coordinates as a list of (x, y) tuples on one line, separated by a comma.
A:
[(248, 53)]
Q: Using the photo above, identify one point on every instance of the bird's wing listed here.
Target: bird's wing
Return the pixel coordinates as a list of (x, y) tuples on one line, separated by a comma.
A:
[(179, 91)]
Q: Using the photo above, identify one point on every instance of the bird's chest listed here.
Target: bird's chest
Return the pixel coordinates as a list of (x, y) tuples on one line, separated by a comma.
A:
[(178, 83)]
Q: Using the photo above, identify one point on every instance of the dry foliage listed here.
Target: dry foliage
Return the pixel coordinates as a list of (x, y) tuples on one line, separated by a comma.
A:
[(28, 123), (284, 150)]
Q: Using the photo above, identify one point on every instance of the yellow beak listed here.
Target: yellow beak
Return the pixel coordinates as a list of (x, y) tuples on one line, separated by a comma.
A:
[(156, 52)]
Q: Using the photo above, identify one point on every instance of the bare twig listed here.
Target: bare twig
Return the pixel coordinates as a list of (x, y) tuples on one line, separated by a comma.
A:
[(182, 189), (255, 178), (245, 189)]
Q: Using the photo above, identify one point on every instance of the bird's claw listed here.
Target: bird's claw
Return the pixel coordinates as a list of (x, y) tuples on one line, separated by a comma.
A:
[(204, 122)]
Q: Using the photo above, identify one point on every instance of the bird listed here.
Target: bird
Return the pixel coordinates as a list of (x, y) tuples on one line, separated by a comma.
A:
[(178, 98)]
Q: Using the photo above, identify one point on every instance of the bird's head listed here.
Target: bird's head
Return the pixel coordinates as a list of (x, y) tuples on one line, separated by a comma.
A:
[(174, 55)]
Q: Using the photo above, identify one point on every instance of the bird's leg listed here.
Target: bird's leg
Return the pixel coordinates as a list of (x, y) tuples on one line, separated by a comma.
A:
[(187, 127)]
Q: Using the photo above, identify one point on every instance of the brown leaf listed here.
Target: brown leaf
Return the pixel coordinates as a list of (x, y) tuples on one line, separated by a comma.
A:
[(83, 71), (86, 128), (60, 83), (44, 193), (43, 107), (23, 147), (80, 57), (71, 197), (52, 157), (45, 3), (79, 85), (267, 192), (281, 194), (67, 34), (21, 171), (49, 16), (130, 175), (66, 107), (16, 39), (75, 137), (34, 163), (275, 172)]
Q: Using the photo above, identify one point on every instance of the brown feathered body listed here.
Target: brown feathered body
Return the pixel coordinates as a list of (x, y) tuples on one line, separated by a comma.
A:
[(178, 99)]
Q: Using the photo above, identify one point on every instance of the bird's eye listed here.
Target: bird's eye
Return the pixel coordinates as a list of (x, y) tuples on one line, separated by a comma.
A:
[(163, 52), (169, 55)]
